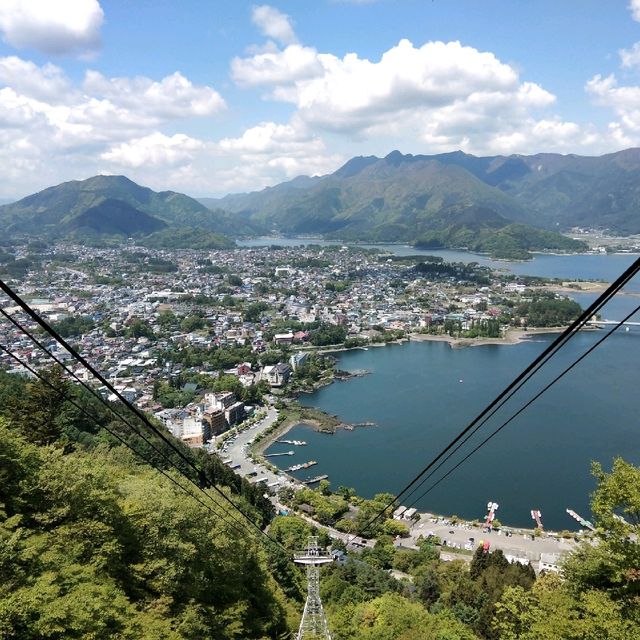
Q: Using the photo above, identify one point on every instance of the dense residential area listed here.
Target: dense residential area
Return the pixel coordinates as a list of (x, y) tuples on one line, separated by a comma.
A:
[(198, 337)]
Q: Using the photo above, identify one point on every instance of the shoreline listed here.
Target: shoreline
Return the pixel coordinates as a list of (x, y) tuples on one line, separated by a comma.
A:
[(512, 336)]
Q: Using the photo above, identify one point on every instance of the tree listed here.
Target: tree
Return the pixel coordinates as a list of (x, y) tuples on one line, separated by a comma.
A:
[(613, 565), (139, 328), (192, 323), (38, 412)]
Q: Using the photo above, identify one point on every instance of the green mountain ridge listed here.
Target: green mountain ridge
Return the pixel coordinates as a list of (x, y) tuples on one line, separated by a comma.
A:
[(108, 206), (449, 200)]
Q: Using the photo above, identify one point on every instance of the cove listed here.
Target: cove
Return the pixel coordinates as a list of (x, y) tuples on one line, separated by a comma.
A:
[(420, 394)]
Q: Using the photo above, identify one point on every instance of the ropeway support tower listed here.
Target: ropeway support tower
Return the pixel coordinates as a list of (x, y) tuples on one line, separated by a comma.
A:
[(313, 625)]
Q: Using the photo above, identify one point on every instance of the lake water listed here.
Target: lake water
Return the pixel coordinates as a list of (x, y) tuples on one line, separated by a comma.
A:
[(421, 394), (567, 267)]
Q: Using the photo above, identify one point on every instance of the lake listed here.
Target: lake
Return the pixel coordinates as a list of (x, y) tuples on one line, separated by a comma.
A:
[(420, 394)]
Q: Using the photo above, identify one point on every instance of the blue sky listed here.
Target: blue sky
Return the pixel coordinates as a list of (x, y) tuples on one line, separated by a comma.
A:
[(211, 97)]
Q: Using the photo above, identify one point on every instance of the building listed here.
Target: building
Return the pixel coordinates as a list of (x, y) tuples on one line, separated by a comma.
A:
[(216, 419), (277, 375), (549, 562), (235, 413), (298, 359)]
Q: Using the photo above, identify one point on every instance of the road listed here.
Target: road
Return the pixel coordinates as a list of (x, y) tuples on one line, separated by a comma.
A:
[(237, 451)]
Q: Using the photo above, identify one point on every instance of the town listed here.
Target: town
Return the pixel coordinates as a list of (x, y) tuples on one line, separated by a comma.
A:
[(199, 338)]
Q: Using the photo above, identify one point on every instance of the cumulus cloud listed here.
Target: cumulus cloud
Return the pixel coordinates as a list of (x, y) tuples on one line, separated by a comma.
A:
[(273, 24), (442, 95), (47, 82), (52, 128), (634, 7), (53, 26), (154, 150), (624, 101), (285, 67), (172, 97), (270, 137)]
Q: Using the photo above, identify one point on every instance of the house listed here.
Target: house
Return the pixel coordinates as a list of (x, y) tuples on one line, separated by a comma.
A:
[(243, 368), (549, 562), (277, 375), (216, 420), (283, 338)]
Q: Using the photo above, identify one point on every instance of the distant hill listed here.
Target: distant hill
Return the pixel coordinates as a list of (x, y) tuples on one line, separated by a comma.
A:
[(113, 206), (449, 200)]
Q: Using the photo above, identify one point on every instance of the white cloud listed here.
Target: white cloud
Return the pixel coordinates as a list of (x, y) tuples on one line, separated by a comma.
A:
[(153, 150), (634, 7), (434, 97), (172, 97), (630, 57), (52, 26), (47, 82), (51, 129), (269, 138), (285, 67), (273, 24), (624, 102)]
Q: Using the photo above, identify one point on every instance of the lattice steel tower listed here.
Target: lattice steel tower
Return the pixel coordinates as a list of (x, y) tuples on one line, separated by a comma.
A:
[(313, 625)]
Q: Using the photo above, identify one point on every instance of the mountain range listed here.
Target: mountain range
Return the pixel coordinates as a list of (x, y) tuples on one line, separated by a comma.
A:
[(369, 194), (504, 205), (114, 206)]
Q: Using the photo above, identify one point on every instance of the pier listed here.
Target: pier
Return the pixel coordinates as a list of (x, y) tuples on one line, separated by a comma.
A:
[(315, 479), (607, 323), (304, 465), (273, 455)]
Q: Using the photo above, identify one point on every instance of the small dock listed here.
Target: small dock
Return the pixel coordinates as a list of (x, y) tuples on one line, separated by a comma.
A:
[(297, 443), (273, 455), (304, 465), (315, 479), (585, 523)]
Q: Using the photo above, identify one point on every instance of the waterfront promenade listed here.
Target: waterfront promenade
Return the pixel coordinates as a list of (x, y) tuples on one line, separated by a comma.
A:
[(521, 545)]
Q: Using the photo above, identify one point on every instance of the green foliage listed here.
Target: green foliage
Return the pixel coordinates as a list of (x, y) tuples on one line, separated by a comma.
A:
[(328, 334), (291, 532), (337, 285), (392, 617), (545, 310), (550, 611), (218, 358), (254, 311), (74, 326), (191, 323), (353, 582), (38, 410), (613, 565), (92, 545), (327, 509), (186, 238), (139, 328)]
